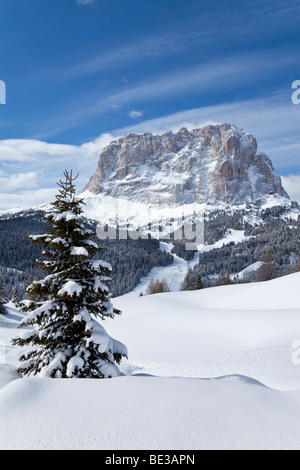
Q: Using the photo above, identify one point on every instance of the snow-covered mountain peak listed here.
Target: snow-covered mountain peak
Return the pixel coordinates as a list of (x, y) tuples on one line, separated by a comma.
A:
[(216, 163)]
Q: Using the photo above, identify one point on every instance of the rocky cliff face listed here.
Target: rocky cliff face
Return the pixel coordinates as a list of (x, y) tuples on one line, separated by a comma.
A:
[(213, 164)]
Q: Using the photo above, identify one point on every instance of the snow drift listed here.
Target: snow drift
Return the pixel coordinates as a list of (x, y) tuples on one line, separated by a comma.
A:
[(209, 369), (147, 413)]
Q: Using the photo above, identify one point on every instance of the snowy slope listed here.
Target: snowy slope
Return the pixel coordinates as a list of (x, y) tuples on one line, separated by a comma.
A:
[(243, 329), (175, 273), (147, 413), (210, 369), (107, 209)]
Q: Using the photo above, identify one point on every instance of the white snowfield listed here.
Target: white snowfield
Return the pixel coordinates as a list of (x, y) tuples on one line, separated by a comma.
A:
[(212, 369)]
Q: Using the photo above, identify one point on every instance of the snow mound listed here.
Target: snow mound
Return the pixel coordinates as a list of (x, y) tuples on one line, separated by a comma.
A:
[(208, 369), (246, 329), (139, 413), (8, 374)]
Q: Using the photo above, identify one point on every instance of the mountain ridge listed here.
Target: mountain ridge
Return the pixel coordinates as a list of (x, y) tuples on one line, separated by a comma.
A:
[(215, 163)]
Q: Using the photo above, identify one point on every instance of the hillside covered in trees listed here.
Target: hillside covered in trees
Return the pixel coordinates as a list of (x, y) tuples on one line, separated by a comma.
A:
[(130, 259), (133, 259)]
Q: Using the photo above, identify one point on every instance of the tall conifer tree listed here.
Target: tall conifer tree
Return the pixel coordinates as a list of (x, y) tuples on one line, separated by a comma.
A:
[(63, 309)]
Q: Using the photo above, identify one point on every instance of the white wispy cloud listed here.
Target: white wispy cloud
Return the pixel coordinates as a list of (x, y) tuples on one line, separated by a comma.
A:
[(135, 114), (181, 36), (273, 120), (226, 74), (84, 2), (291, 183), (13, 182), (26, 199), (10, 153), (165, 44), (26, 150), (45, 162)]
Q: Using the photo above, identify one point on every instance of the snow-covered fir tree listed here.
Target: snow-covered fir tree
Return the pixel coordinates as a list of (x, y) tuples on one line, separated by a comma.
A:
[(15, 295), (63, 309), (2, 296)]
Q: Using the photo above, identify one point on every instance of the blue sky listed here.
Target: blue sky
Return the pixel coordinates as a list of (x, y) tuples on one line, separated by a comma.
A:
[(79, 73)]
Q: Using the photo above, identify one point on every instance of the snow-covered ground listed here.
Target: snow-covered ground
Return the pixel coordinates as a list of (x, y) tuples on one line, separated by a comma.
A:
[(212, 369), (175, 273)]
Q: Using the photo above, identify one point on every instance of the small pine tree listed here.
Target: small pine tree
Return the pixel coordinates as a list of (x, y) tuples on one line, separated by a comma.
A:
[(15, 296), (65, 337), (198, 283), (2, 296)]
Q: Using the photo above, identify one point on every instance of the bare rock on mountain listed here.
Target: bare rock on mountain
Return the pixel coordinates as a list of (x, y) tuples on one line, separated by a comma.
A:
[(217, 163)]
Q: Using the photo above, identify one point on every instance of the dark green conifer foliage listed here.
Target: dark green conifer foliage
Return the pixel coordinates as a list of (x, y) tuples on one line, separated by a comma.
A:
[(15, 295), (198, 284), (2, 296), (65, 338)]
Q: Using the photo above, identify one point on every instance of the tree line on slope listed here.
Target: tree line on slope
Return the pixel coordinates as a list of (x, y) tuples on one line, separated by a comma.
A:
[(130, 259), (222, 266), (133, 259)]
